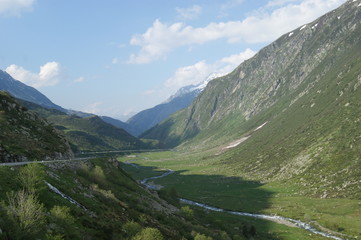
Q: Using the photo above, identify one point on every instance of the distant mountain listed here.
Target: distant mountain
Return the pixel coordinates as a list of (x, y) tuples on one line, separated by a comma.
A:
[(88, 133), (148, 118), (25, 136), (290, 112), (25, 92), (120, 124)]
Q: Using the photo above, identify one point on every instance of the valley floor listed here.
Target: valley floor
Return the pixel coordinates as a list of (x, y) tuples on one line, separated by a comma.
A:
[(204, 180)]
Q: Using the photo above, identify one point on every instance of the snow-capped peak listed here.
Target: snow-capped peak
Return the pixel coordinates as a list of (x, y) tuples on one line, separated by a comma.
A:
[(197, 87)]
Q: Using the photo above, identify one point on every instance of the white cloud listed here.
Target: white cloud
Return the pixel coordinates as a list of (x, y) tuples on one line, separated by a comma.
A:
[(228, 64), (237, 59), (262, 26), (15, 7), (94, 108), (198, 72), (189, 75), (189, 13), (49, 75)]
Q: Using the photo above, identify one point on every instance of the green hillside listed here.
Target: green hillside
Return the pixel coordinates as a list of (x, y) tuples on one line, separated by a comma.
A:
[(26, 136), (99, 201), (89, 133), (297, 106)]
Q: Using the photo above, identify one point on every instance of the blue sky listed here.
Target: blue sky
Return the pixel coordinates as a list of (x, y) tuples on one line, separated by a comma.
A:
[(118, 57)]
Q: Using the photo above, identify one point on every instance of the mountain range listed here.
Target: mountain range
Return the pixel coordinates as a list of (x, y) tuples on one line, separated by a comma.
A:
[(148, 118), (292, 111), (278, 138), (136, 125)]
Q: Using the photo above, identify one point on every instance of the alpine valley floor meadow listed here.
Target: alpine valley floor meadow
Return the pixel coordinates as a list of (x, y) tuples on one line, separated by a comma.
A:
[(201, 178)]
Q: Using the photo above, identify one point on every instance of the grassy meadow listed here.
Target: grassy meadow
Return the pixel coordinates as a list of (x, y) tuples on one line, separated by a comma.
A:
[(201, 177)]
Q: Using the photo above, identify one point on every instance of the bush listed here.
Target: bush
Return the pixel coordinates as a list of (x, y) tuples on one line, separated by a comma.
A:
[(131, 228), (62, 222), (187, 212), (202, 237), (32, 177), (98, 175), (26, 213), (149, 234)]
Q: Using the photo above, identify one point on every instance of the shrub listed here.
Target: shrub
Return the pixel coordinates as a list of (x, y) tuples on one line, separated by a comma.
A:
[(32, 177), (202, 237), (98, 175), (131, 228), (149, 234), (62, 222), (26, 213), (187, 212)]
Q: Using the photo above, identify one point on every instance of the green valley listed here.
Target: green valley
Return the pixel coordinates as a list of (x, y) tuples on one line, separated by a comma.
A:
[(208, 181), (269, 151)]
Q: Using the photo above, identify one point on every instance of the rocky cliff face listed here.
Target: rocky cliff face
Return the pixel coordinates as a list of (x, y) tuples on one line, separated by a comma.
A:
[(25, 136)]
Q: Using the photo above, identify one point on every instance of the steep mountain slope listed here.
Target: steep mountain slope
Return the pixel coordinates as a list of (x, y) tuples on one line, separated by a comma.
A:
[(26, 136), (25, 92), (148, 118), (120, 124), (88, 133), (295, 105)]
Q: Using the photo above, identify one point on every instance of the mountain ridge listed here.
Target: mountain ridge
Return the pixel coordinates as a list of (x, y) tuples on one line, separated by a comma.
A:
[(26, 137), (306, 87), (25, 92), (148, 118)]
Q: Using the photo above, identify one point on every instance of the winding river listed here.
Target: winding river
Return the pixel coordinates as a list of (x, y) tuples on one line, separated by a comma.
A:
[(281, 220)]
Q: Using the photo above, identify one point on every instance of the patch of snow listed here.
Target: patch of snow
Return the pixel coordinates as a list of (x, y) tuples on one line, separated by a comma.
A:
[(339, 17), (191, 88), (290, 34), (359, 5), (236, 143), (200, 86), (261, 126), (314, 26), (303, 27)]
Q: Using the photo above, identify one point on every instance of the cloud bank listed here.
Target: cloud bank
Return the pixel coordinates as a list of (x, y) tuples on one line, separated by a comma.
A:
[(194, 74), (49, 75), (15, 7), (264, 25)]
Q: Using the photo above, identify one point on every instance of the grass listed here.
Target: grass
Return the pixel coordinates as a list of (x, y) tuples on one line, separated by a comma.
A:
[(201, 178)]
